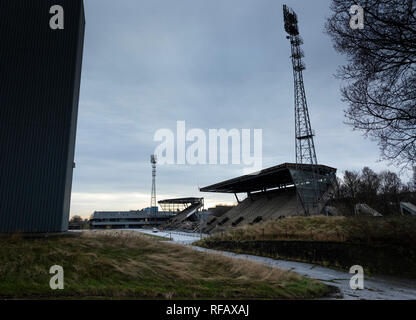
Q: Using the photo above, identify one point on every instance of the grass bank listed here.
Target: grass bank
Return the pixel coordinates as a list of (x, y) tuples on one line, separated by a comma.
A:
[(381, 245), (132, 265), (397, 230)]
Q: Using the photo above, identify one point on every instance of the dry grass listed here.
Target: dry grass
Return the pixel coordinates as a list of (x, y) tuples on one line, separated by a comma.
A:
[(391, 230), (132, 265)]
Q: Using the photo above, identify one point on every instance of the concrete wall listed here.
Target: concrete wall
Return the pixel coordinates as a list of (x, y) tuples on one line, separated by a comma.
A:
[(381, 259)]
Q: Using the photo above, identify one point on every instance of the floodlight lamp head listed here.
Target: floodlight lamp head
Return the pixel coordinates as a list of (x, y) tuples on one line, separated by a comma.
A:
[(153, 159), (291, 21)]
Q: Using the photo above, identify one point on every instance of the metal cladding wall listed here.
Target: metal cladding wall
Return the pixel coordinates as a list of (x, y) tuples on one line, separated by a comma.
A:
[(40, 70)]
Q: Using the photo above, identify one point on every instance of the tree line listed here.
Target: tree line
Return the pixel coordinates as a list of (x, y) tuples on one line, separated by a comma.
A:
[(382, 191)]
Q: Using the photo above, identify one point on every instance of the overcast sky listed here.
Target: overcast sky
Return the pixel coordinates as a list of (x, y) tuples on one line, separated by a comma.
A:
[(214, 64)]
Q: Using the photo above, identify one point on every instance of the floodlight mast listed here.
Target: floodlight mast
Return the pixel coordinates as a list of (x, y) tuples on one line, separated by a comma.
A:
[(305, 147), (307, 184), (153, 161)]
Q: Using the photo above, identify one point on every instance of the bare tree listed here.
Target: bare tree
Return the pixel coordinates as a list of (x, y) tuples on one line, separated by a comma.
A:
[(390, 183), (339, 190), (369, 185), (380, 77), (76, 219), (77, 222), (351, 183)]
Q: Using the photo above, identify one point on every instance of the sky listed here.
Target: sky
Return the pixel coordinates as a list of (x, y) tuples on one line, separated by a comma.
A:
[(213, 64)]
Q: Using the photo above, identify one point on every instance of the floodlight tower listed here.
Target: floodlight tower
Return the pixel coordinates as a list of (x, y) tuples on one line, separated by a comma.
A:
[(153, 161), (306, 177), (305, 147)]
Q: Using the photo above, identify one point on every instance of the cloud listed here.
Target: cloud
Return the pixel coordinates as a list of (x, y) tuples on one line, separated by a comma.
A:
[(215, 64)]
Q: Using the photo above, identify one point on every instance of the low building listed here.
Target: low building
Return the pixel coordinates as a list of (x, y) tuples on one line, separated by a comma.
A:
[(129, 219)]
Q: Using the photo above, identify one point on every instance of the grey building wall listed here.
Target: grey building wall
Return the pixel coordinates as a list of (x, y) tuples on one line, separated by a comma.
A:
[(40, 71)]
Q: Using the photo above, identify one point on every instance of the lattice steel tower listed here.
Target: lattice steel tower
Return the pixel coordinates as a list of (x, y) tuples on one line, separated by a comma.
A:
[(153, 161), (305, 148)]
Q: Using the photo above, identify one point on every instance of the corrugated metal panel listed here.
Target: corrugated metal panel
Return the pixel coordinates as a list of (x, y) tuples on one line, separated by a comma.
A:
[(39, 89)]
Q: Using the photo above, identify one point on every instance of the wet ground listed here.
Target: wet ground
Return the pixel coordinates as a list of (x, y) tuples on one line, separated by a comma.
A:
[(176, 236), (375, 287)]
